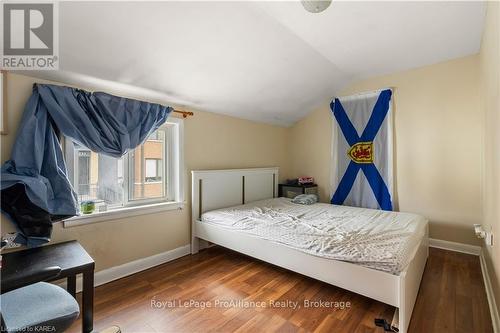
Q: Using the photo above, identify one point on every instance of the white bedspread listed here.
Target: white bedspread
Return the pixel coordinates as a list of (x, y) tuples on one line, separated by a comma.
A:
[(377, 239)]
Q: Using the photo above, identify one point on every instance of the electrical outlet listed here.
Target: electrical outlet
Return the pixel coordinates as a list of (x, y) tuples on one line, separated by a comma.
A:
[(489, 238)]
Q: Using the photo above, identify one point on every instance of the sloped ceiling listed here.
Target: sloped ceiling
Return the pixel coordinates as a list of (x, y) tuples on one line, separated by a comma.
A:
[(265, 61)]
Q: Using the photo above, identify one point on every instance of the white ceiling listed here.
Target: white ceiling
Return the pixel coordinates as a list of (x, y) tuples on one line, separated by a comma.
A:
[(265, 61)]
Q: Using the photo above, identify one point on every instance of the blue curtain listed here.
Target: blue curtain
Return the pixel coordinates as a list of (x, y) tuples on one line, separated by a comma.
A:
[(34, 186)]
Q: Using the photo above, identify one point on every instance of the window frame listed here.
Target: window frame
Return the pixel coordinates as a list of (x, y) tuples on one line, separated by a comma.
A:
[(173, 168)]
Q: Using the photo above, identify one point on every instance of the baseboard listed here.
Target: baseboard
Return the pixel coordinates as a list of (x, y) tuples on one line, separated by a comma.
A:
[(495, 318), (118, 272), (453, 246)]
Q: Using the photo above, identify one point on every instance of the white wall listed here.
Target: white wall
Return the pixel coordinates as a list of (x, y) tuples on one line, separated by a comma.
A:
[(490, 105)]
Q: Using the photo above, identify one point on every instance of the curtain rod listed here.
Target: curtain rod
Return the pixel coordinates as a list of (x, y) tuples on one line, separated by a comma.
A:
[(185, 114)]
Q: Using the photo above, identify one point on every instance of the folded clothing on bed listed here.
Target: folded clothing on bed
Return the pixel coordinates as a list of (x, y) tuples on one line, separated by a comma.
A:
[(376, 239)]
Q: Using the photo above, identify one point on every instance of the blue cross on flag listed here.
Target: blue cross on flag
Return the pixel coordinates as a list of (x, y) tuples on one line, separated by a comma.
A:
[(362, 150)]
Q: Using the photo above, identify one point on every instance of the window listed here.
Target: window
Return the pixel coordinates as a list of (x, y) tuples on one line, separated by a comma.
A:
[(154, 169), (84, 174), (157, 135), (149, 174)]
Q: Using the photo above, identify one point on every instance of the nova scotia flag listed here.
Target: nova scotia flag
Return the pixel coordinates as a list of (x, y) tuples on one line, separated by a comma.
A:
[(362, 150)]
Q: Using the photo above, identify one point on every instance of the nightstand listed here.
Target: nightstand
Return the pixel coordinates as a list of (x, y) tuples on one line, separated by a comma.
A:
[(292, 190)]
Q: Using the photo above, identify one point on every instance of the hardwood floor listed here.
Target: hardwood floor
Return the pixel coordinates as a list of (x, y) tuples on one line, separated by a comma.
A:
[(452, 298)]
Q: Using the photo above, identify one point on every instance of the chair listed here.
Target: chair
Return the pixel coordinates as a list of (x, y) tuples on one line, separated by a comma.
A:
[(32, 306)]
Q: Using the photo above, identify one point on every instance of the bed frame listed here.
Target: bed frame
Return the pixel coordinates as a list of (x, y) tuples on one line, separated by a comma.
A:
[(213, 189)]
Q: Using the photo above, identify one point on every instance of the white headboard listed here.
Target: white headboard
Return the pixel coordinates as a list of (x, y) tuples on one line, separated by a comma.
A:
[(214, 189)]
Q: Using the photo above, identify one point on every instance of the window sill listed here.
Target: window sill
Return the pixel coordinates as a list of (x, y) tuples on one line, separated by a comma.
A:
[(121, 213)]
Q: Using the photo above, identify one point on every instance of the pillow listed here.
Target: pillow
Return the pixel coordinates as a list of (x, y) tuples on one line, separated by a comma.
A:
[(305, 199)]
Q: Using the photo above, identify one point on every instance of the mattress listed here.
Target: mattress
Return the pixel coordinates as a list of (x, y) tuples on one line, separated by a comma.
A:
[(377, 239)]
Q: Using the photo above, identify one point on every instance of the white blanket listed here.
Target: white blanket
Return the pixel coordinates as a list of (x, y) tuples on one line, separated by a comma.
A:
[(377, 239)]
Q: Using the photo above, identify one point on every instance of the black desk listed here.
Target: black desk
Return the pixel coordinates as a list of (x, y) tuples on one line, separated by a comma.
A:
[(73, 260)]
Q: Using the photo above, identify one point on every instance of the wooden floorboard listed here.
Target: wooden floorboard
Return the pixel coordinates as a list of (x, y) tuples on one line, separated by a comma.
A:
[(452, 298)]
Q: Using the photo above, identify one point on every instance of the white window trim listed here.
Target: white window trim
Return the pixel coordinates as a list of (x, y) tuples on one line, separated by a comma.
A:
[(122, 213), (147, 206)]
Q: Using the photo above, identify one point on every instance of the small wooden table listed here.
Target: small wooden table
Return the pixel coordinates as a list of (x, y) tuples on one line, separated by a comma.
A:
[(73, 260)]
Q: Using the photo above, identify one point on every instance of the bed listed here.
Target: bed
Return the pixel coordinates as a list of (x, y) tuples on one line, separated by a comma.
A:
[(377, 254)]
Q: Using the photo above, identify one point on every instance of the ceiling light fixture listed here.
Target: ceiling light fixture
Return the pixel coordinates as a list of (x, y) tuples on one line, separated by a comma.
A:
[(316, 6)]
